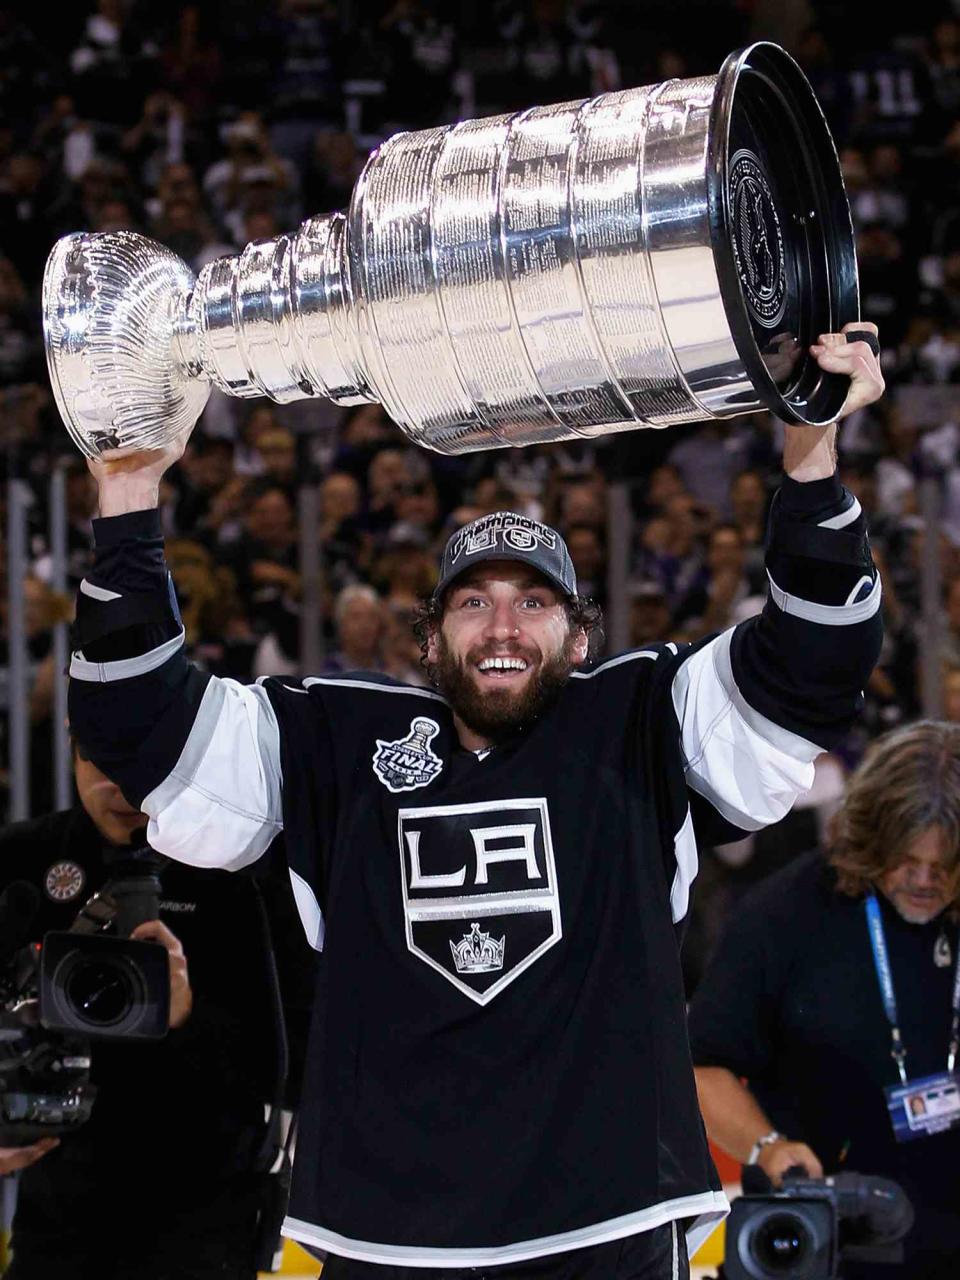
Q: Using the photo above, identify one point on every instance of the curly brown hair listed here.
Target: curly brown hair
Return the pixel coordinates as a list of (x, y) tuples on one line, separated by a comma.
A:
[(581, 611), (908, 782)]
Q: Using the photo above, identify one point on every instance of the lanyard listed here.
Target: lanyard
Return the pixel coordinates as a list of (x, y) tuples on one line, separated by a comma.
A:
[(881, 961)]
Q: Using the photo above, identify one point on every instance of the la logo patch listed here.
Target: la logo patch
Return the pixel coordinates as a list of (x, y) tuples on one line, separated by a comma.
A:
[(409, 762)]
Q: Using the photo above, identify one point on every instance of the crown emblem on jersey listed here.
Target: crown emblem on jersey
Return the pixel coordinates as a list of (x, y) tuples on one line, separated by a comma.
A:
[(409, 762), (477, 952)]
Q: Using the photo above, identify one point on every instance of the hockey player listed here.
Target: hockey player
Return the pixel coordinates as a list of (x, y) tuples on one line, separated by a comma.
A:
[(497, 870)]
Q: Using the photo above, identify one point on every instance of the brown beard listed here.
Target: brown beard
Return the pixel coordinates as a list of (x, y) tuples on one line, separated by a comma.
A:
[(499, 714)]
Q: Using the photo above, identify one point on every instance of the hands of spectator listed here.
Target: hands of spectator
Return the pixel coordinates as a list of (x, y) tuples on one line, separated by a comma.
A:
[(181, 995), (723, 587), (266, 573), (777, 1157), (227, 503), (12, 1159)]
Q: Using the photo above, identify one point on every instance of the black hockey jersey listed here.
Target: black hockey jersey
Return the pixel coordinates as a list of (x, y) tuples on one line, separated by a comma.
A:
[(498, 1065)]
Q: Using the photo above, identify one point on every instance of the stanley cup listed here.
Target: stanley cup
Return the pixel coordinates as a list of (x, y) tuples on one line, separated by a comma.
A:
[(655, 256)]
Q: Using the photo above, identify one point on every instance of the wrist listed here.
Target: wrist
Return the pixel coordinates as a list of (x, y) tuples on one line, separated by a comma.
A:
[(765, 1140), (121, 495), (810, 453)]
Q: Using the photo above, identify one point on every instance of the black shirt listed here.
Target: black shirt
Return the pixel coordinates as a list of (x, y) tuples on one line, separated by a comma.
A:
[(499, 1007), (791, 1002), (178, 1112)]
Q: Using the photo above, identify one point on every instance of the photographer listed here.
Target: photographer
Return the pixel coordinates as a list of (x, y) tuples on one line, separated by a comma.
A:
[(837, 1060), (164, 1180)]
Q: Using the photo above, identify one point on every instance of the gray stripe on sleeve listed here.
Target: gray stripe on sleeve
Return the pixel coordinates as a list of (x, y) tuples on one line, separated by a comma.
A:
[(124, 668), (830, 615)]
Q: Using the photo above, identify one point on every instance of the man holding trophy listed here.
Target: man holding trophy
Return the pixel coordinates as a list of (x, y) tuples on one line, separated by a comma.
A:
[(497, 869)]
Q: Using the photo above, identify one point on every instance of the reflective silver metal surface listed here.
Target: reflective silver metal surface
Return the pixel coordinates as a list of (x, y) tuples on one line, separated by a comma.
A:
[(542, 276)]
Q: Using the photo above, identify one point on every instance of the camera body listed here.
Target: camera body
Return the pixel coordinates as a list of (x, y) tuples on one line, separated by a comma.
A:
[(806, 1228), (77, 986), (782, 1234), (104, 987)]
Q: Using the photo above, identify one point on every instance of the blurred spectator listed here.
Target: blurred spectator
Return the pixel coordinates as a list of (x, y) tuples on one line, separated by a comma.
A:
[(306, 90), (251, 177), (360, 621), (951, 693), (23, 206), (263, 561), (20, 354), (951, 637), (888, 282), (897, 470), (670, 546), (206, 483), (191, 61), (387, 476), (818, 58), (401, 652), (749, 500), (421, 48), (159, 138), (278, 451), (330, 173), (587, 551), (650, 619), (707, 461), (113, 64), (720, 586), (406, 571), (81, 504), (943, 63)]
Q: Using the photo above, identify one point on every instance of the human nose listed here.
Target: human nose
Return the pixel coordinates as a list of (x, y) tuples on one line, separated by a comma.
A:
[(926, 876), (502, 621)]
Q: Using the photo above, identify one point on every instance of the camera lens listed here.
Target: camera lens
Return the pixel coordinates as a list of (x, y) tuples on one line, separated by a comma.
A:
[(101, 993), (781, 1244)]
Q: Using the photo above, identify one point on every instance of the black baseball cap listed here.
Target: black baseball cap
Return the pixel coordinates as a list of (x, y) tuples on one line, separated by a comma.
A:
[(507, 535)]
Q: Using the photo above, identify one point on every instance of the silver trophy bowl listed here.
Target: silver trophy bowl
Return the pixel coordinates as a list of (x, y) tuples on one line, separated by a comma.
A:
[(644, 258)]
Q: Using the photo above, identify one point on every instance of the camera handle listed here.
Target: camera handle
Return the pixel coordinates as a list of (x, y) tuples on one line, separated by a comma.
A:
[(137, 899), (130, 896), (122, 903)]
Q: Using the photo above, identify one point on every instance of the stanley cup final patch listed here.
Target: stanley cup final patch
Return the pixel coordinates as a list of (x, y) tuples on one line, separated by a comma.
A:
[(479, 890), (409, 762)]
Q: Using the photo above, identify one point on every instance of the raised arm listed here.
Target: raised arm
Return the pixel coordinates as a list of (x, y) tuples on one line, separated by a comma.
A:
[(200, 756), (757, 704)]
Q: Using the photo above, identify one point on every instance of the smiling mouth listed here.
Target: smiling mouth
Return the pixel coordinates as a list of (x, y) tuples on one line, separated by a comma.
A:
[(502, 669)]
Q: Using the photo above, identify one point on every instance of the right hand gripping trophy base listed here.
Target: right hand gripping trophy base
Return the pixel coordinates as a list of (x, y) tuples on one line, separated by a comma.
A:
[(645, 258)]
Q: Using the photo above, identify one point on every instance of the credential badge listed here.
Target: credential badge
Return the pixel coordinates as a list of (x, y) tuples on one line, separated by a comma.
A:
[(64, 881), (409, 762)]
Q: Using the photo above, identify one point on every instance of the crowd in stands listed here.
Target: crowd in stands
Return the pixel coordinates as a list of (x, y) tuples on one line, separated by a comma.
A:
[(208, 125)]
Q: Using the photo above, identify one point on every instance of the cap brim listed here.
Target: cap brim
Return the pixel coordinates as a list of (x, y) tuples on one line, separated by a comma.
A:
[(496, 553)]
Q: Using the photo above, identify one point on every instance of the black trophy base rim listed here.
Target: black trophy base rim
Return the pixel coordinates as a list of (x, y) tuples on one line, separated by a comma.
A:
[(781, 230)]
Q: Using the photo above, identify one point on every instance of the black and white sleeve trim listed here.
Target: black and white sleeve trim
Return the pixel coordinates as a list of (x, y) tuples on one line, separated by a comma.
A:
[(749, 768), (831, 615), (851, 512), (124, 668), (221, 805)]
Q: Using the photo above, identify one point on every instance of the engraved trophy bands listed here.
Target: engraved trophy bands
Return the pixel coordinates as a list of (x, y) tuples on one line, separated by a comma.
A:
[(644, 258)]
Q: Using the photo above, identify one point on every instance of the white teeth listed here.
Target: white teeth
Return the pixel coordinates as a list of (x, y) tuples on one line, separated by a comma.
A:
[(502, 664)]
